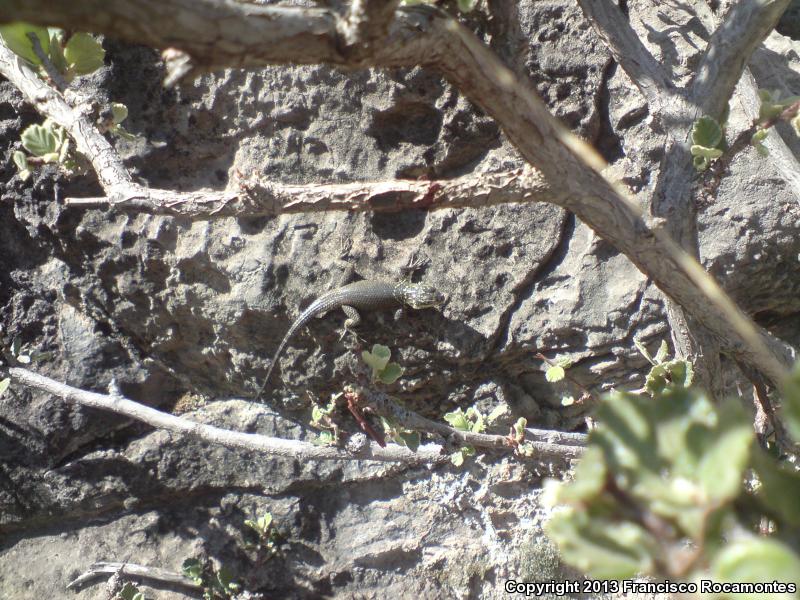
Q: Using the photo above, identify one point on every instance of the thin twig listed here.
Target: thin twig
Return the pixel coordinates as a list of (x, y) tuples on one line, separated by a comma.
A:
[(58, 81), (545, 443)]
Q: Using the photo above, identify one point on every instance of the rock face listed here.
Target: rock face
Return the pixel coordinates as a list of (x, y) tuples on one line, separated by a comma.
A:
[(189, 313)]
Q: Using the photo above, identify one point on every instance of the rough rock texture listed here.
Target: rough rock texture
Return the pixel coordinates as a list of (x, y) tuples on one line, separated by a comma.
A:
[(176, 311)]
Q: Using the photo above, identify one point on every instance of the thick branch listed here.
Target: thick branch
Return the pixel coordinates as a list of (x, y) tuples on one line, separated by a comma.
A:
[(627, 49), (745, 26), (426, 36)]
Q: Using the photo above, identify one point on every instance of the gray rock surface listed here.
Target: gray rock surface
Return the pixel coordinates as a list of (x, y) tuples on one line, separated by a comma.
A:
[(179, 312)]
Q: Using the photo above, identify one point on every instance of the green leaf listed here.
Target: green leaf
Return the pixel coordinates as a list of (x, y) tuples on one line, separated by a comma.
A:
[(756, 560), (780, 486), (762, 150), (662, 352), (600, 548), (225, 580), (759, 136), (706, 132), (378, 358), (326, 438), (567, 400), (193, 569), (475, 418), (457, 458), (83, 54), (519, 427), (390, 373), (466, 5), (20, 159), (56, 53), (39, 140), (458, 420), (705, 152), (791, 402), (554, 373), (723, 453), (4, 383), (589, 480), (410, 439), (119, 112), (15, 37), (497, 412), (130, 592)]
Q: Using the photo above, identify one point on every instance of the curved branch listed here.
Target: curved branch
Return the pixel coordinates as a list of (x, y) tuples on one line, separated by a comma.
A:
[(745, 26)]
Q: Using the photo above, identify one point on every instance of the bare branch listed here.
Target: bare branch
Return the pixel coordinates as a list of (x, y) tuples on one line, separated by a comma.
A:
[(268, 198), (745, 26), (423, 35), (293, 449), (98, 569), (627, 49)]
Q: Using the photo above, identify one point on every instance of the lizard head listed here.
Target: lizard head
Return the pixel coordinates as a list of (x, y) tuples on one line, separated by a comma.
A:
[(418, 295)]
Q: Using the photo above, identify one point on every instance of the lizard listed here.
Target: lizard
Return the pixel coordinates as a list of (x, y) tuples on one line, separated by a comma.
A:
[(366, 295)]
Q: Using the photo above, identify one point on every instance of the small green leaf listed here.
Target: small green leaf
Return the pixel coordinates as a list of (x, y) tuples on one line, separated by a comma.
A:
[(756, 560), (130, 592), (410, 439), (705, 152), (83, 54), (466, 5), (193, 569), (122, 132), (458, 420), (39, 140), (4, 383), (567, 400), (759, 136), (780, 486), (15, 36), (378, 358), (390, 373), (762, 150), (457, 458), (20, 159), (519, 428), (326, 438), (554, 373), (119, 112), (706, 132), (497, 412), (662, 352)]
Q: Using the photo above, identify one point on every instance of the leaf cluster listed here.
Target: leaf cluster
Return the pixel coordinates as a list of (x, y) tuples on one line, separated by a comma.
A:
[(660, 489), (217, 584)]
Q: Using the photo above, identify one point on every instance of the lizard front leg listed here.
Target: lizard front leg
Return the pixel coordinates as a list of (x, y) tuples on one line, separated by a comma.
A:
[(353, 319)]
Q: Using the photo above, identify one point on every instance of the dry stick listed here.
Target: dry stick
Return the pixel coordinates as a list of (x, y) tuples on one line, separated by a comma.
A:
[(97, 569), (256, 35), (428, 453)]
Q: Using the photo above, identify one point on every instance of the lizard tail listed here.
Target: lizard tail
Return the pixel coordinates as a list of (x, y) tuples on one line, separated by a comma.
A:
[(282, 345)]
